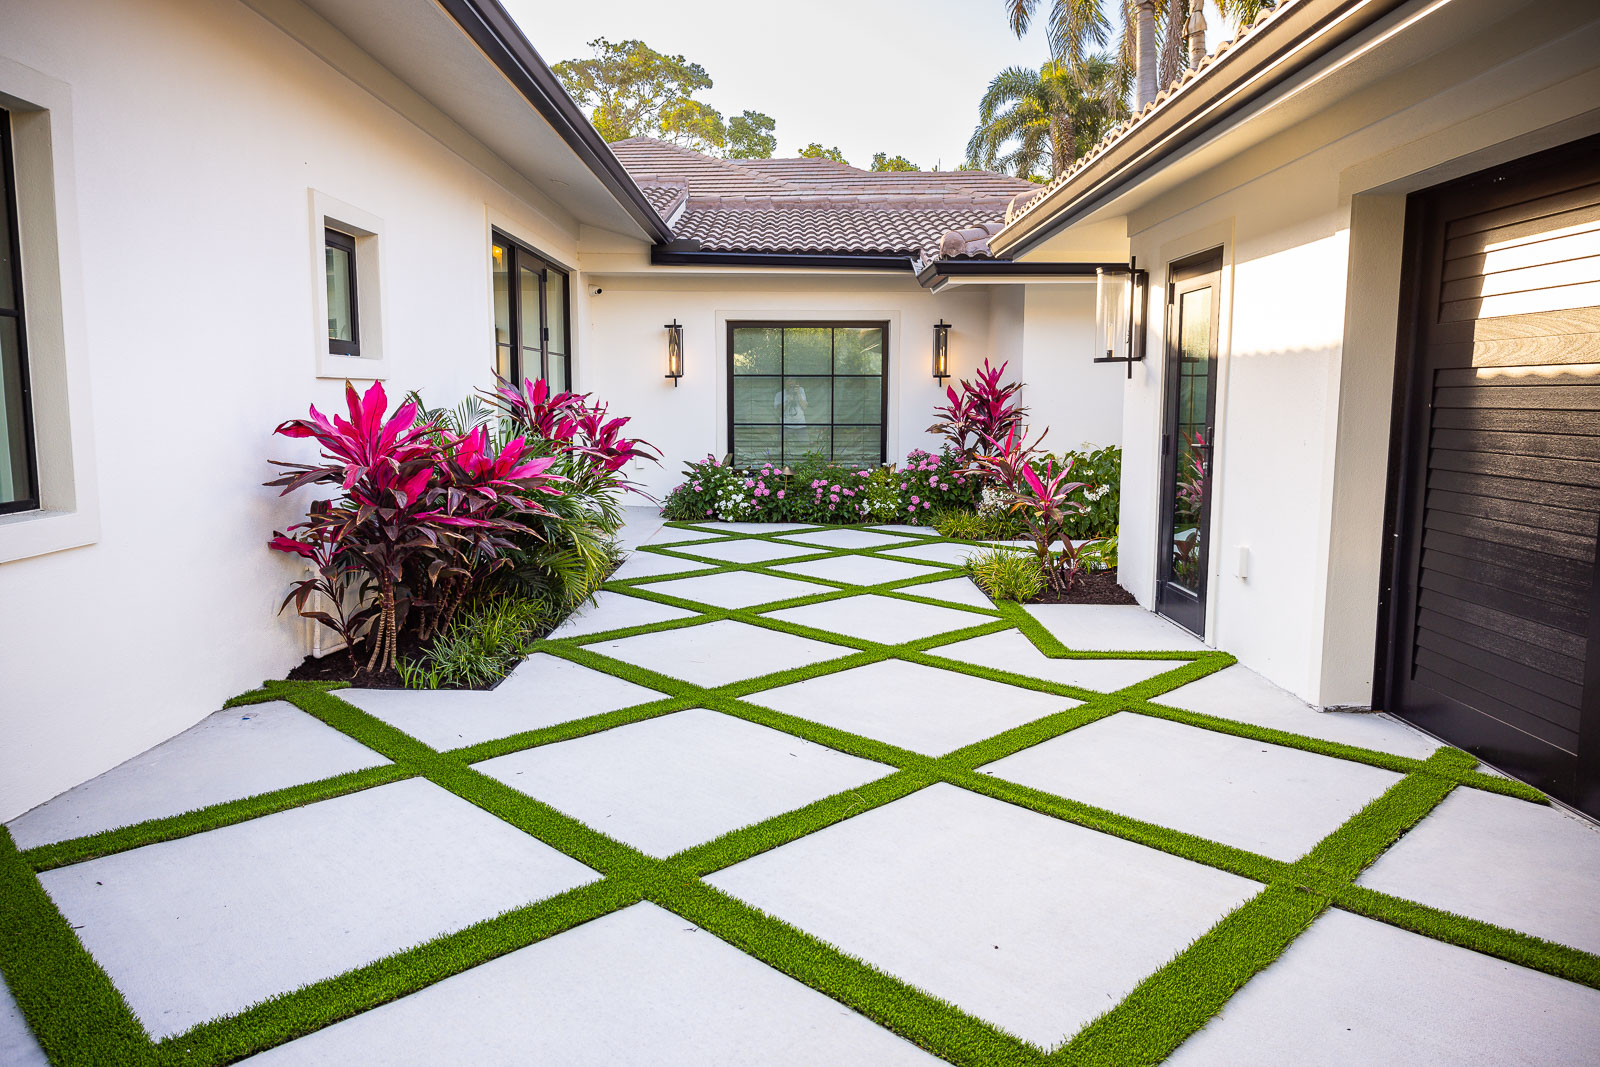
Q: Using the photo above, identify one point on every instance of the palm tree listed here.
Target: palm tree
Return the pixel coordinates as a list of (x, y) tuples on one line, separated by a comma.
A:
[(1029, 119), (1079, 28)]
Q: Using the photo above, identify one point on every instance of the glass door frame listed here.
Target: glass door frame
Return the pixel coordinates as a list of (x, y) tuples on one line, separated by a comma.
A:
[(1185, 606), (520, 257)]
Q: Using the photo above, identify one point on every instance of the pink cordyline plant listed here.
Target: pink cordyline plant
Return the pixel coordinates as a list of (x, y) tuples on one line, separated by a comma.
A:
[(411, 495), (573, 426), (983, 412), (1039, 493)]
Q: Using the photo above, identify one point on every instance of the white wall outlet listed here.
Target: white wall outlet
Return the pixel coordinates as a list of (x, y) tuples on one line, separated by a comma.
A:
[(1241, 566)]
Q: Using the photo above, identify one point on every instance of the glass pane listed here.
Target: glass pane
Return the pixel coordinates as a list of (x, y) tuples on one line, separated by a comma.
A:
[(757, 350), (757, 399), (558, 374), (807, 350), (857, 351), (500, 261), (755, 445), (858, 400), (807, 400), (857, 444), (502, 361), (800, 441), (555, 306), (341, 318), (15, 483), (528, 308), (1191, 482)]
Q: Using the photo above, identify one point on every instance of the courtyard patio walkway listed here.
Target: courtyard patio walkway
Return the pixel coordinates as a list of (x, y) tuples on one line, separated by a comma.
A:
[(805, 796)]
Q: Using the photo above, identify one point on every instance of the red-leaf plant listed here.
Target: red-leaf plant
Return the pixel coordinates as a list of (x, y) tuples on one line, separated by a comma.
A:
[(576, 428), (1039, 492), (481, 495), (335, 575), (411, 497), (981, 414)]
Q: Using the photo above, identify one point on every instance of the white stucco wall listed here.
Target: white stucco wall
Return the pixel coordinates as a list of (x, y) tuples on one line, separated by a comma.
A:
[(197, 130), (1310, 225), (1078, 400), (626, 349)]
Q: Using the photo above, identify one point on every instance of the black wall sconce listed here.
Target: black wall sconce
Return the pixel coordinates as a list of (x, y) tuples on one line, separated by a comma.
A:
[(941, 350), (1122, 295), (674, 351)]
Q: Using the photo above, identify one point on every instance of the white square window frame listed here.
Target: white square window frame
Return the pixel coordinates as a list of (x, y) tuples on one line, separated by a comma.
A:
[(330, 213), (68, 515)]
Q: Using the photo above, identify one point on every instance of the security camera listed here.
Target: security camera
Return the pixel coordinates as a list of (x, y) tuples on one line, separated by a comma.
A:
[(596, 291)]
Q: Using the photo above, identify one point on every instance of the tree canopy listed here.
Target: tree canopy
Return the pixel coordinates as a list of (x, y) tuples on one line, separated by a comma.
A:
[(814, 150), (750, 136), (1041, 120), (884, 161), (632, 90)]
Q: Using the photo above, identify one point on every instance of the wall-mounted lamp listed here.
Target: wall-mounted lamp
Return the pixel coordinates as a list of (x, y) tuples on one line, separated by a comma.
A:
[(941, 350), (674, 351), (1121, 297)]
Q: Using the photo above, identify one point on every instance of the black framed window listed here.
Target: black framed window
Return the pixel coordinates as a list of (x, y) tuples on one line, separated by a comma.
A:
[(800, 387), (344, 326), (19, 485), (532, 335)]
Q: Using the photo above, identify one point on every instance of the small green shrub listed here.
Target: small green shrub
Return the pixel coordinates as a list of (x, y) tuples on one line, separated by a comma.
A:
[(1102, 469), (963, 524), (1101, 554), (1006, 574), (484, 643)]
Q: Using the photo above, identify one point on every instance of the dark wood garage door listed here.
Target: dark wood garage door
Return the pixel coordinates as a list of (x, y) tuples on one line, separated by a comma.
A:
[(1491, 612)]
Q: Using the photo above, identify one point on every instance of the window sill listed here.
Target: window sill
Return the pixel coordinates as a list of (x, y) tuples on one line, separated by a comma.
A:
[(351, 368), (26, 534)]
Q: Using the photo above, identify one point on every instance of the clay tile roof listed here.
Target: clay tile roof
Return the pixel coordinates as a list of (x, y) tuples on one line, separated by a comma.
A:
[(818, 206)]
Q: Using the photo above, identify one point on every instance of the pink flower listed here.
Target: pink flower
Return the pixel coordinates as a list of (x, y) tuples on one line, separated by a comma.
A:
[(833, 497), (944, 487), (916, 500), (698, 487), (903, 485), (849, 492), (708, 511), (780, 494), (749, 483), (835, 488), (933, 479), (926, 505)]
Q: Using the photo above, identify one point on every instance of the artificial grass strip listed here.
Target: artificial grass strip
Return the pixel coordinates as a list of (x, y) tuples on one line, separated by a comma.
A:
[(934, 1024), (170, 828), (1166, 1008), (1524, 950), (76, 1014), (312, 1007), (92, 1024)]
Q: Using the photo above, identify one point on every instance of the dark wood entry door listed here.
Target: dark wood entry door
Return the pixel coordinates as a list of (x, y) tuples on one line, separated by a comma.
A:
[(1496, 503), (1183, 547)]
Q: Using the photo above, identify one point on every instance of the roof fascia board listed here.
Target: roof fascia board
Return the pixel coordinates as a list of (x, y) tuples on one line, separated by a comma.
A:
[(1305, 33), (939, 273), (669, 258), (494, 31)]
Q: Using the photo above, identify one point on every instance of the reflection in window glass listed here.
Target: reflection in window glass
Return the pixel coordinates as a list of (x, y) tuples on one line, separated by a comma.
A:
[(822, 383), (18, 489), (343, 332), (531, 335)]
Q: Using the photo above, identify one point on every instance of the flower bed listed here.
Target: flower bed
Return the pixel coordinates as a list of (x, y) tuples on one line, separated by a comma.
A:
[(453, 539)]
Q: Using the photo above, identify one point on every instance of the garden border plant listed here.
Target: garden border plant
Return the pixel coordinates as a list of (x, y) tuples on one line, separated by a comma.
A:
[(79, 1017)]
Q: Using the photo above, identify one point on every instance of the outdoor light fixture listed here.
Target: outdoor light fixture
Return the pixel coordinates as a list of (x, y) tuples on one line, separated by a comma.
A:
[(674, 351), (941, 350), (1121, 296)]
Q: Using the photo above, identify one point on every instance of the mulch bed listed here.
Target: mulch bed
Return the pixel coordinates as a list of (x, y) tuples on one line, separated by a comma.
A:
[(1095, 587), (341, 667)]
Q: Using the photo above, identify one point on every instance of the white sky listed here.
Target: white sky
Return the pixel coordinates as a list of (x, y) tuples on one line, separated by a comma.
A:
[(901, 76)]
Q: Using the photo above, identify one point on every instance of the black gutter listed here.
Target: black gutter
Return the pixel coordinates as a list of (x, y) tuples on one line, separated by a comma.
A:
[(1244, 76), (666, 257), (935, 274), (494, 31)]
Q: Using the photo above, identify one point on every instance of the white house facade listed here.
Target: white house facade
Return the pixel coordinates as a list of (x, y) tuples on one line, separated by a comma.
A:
[(182, 179), (179, 175), (1369, 232)]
